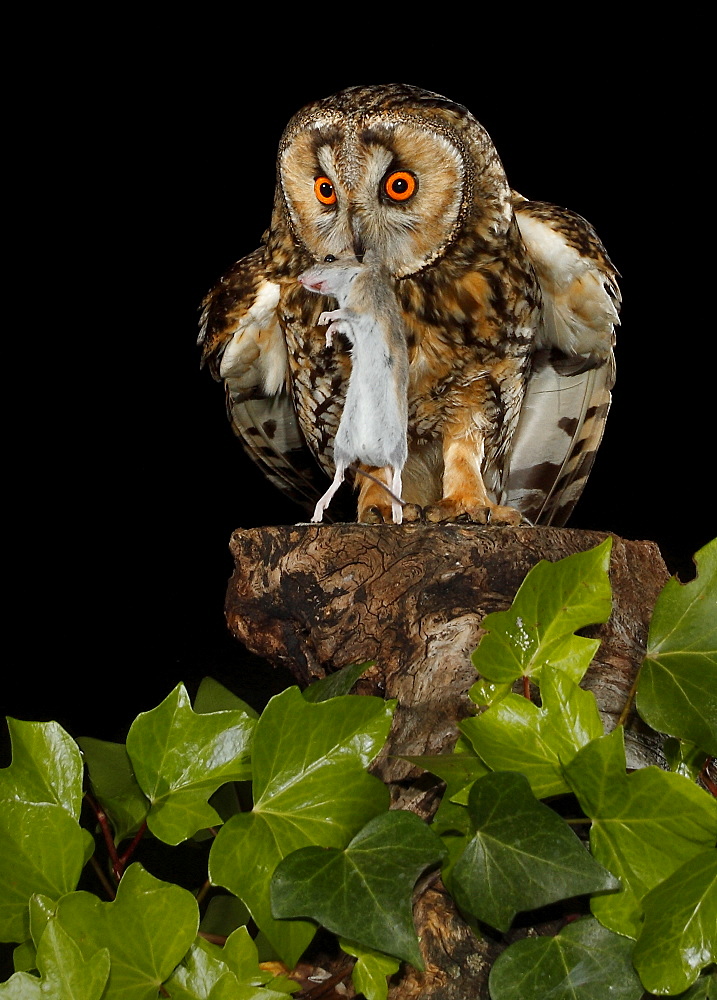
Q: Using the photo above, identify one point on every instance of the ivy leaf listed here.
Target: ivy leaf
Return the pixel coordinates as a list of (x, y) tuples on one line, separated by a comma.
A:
[(371, 971), (679, 935), (48, 850), (114, 785), (684, 757), (214, 697), (456, 769), (336, 684), (362, 893), (644, 825), (180, 757), (147, 929), (583, 962), (704, 989), (46, 766), (553, 601), (310, 788), (66, 975), (677, 685), (516, 735), (522, 855)]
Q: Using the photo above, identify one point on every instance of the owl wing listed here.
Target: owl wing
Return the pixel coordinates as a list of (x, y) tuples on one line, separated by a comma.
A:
[(573, 368), (244, 346)]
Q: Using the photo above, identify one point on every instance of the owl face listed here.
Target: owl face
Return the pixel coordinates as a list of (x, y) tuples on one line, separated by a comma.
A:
[(396, 179), (391, 187)]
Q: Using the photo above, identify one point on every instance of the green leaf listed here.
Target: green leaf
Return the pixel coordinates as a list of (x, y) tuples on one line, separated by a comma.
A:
[(371, 970), (48, 850), (677, 685), (336, 684), (214, 697), (644, 825), (46, 766), (208, 972), (224, 914), (180, 757), (485, 692), (363, 892), (553, 601), (522, 856), (310, 788), (66, 974), (516, 735), (147, 929), (114, 785), (456, 769), (704, 989), (679, 936), (583, 962), (684, 757)]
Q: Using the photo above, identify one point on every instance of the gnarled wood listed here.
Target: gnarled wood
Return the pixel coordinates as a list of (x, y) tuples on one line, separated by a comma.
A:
[(412, 597)]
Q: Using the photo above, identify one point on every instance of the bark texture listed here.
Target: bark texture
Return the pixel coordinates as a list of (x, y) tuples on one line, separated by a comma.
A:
[(412, 597)]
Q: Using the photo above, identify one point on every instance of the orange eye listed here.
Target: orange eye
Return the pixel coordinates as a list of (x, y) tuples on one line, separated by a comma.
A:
[(324, 191), (400, 185)]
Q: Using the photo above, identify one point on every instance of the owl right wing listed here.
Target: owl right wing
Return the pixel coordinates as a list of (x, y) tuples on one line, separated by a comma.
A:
[(568, 392), (244, 346)]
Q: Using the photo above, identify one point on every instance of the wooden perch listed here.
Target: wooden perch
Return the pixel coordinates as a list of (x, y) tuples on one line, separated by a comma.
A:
[(412, 597)]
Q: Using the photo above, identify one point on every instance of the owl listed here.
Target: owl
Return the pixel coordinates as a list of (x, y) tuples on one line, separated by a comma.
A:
[(508, 309)]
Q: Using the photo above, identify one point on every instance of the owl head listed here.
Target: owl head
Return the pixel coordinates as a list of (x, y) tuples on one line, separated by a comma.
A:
[(399, 171)]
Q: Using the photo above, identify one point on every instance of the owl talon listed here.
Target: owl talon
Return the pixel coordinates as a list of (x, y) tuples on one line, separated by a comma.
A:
[(412, 513), (373, 516)]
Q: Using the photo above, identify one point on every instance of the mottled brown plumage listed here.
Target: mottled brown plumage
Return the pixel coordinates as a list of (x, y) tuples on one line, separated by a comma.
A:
[(509, 308)]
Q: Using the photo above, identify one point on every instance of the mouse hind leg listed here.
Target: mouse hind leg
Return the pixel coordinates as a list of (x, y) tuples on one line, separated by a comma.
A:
[(326, 498)]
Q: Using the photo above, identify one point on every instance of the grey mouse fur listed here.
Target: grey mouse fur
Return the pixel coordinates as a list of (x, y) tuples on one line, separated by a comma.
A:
[(374, 422)]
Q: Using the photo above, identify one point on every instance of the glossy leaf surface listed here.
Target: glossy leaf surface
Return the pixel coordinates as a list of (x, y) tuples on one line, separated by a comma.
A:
[(114, 785), (370, 973), (46, 766), (180, 757), (522, 855), (553, 601), (583, 962), (147, 930), (644, 825), (48, 850), (336, 684), (363, 893), (679, 935), (516, 735), (310, 788), (677, 686), (66, 975)]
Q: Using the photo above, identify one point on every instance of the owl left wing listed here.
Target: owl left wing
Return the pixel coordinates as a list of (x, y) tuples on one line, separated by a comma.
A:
[(573, 369), (244, 346)]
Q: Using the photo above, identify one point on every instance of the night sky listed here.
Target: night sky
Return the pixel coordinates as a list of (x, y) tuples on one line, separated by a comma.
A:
[(142, 173)]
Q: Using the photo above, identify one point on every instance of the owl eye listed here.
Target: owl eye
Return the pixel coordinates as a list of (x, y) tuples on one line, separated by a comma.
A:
[(324, 191), (400, 185)]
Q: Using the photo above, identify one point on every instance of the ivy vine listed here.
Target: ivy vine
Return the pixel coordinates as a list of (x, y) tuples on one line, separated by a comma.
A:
[(302, 835)]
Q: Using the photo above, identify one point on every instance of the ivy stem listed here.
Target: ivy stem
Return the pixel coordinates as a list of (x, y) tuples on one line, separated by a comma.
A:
[(577, 822), (526, 686), (121, 863), (627, 707), (104, 823), (219, 939), (203, 891), (706, 778), (106, 884)]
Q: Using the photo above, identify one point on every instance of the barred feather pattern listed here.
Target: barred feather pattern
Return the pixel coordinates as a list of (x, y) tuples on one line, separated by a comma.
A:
[(509, 310)]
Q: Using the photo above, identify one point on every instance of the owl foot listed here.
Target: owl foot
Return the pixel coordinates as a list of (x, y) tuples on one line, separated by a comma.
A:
[(450, 510)]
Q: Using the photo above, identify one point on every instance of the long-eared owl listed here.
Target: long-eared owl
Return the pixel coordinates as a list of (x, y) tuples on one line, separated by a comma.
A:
[(508, 305)]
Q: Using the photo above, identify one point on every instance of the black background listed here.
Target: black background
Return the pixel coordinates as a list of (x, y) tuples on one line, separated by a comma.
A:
[(142, 167)]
